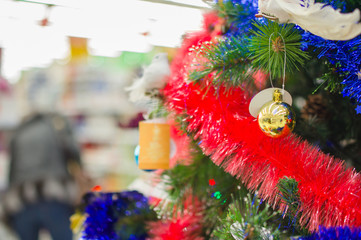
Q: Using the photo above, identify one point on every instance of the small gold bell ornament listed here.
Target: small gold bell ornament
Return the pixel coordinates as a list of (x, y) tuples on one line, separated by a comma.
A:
[(276, 118)]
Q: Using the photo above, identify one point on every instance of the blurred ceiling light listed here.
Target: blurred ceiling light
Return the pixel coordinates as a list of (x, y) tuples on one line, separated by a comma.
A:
[(58, 3), (201, 4), (189, 4), (111, 26)]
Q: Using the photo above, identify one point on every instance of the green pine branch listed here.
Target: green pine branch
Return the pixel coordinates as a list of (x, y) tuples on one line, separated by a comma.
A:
[(289, 194), (233, 60), (183, 181), (181, 123), (230, 11), (247, 218), (227, 60), (194, 179), (331, 81), (157, 108), (269, 44), (233, 13), (288, 188)]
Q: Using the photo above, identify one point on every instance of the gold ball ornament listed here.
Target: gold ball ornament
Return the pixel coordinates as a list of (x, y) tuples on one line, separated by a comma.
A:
[(277, 118)]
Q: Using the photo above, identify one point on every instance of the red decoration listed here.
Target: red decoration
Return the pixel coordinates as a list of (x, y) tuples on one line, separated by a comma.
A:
[(44, 22), (96, 188), (185, 225), (212, 182), (182, 143), (330, 194), (260, 79)]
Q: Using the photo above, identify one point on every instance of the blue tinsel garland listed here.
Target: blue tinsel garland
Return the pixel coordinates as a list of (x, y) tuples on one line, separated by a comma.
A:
[(344, 233), (345, 56), (337, 4), (104, 210), (244, 18)]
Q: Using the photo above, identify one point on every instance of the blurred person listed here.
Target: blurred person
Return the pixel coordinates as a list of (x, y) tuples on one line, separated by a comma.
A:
[(44, 160)]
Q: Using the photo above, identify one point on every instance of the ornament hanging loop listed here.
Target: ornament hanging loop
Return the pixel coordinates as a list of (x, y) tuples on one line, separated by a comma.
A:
[(284, 62)]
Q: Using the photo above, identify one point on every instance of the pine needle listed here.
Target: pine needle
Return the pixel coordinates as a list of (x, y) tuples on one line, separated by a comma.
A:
[(268, 45)]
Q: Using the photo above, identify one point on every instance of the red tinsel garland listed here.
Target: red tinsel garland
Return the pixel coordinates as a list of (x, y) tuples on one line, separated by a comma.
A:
[(330, 194), (182, 144), (186, 225)]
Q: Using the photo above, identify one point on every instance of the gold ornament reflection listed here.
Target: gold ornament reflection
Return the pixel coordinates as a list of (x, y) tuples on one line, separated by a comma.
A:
[(276, 118)]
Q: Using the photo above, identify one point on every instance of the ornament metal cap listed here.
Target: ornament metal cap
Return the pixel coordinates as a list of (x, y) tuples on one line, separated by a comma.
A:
[(277, 96), (265, 96)]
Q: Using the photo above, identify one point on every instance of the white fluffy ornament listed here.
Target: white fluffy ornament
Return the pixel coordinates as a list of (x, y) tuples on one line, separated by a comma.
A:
[(154, 77), (317, 18)]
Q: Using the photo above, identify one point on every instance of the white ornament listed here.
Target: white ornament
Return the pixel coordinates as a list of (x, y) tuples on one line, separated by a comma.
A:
[(154, 77), (317, 18)]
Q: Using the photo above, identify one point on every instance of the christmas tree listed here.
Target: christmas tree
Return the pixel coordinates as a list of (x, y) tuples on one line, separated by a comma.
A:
[(238, 182)]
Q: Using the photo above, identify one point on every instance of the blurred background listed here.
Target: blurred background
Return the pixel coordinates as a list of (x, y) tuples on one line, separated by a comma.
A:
[(76, 57)]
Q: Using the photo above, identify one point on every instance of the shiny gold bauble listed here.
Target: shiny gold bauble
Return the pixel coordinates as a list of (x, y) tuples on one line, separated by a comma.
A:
[(276, 118)]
